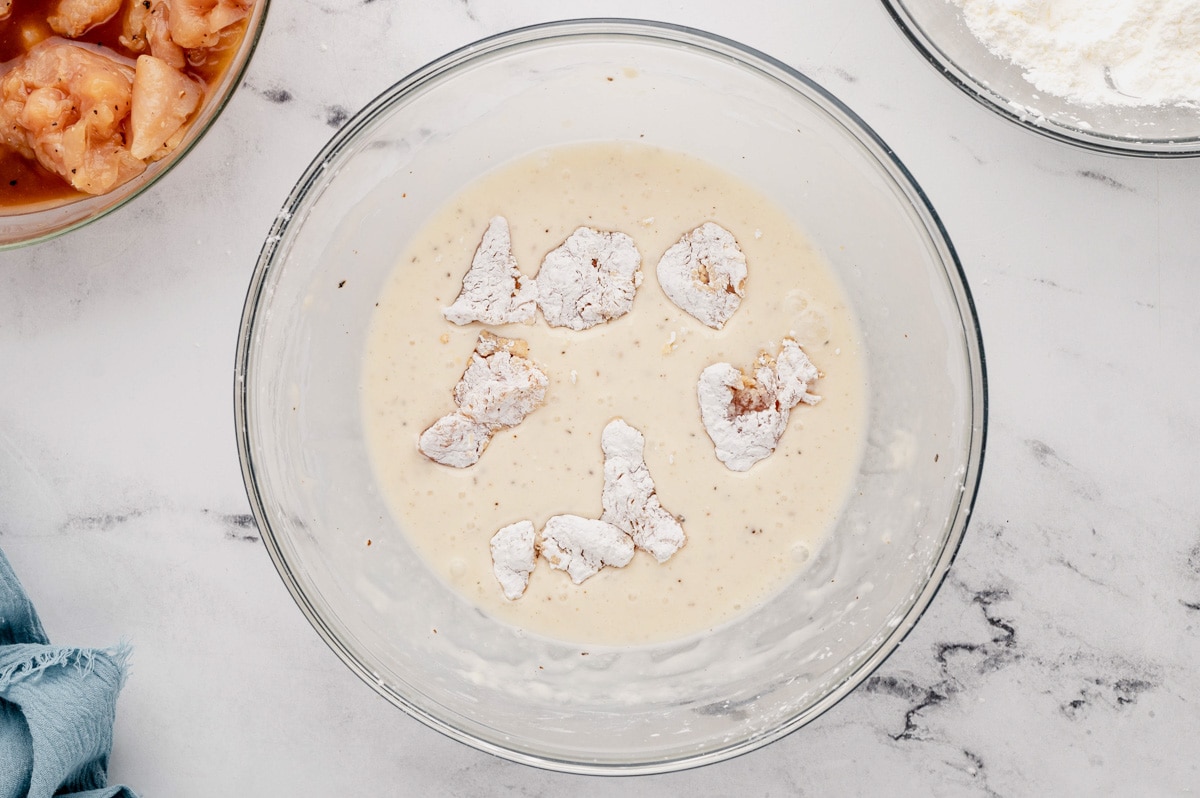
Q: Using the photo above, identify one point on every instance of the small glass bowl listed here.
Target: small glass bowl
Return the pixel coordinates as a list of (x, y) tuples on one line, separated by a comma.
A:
[(18, 228), (423, 646), (940, 32)]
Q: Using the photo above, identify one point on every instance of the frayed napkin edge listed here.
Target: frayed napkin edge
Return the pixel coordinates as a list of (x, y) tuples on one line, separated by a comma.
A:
[(83, 659)]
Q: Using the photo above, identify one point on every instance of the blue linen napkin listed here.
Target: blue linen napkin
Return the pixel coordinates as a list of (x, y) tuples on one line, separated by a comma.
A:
[(57, 706)]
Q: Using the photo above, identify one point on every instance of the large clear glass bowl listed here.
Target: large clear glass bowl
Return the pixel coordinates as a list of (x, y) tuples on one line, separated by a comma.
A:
[(19, 227), (940, 33), (644, 708)]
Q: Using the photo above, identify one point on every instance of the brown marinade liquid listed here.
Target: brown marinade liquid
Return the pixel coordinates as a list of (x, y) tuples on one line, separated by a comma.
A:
[(24, 181)]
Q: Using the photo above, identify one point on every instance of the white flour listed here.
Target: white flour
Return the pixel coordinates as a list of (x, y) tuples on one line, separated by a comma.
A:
[(1097, 52)]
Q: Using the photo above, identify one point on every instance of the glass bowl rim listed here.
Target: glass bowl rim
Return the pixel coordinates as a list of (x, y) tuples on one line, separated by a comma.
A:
[(1043, 126), (711, 45), (249, 45)]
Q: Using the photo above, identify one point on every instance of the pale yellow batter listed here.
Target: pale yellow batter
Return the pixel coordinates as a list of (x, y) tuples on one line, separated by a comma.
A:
[(747, 533)]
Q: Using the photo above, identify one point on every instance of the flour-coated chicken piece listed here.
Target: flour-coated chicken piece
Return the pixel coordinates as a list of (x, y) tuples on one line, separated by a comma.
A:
[(493, 290), (704, 274), (746, 413), (582, 546), (455, 440), (499, 388), (501, 384), (514, 554), (590, 279), (630, 501)]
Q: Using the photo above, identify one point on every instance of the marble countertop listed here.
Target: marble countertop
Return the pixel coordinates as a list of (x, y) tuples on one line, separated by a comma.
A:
[(1059, 657)]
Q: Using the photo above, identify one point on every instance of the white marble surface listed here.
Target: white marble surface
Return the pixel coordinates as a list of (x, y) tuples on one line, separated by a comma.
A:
[(1059, 658)]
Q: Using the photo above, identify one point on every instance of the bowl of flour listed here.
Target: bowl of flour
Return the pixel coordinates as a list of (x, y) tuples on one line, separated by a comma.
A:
[(1119, 76)]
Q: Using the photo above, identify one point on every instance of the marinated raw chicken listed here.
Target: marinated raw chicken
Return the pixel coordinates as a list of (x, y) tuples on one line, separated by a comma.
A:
[(168, 27), (629, 499), (493, 290), (73, 17), (198, 23), (582, 546), (589, 280), (705, 274), (163, 100), (80, 113), (499, 388), (146, 27), (513, 555), (66, 105), (745, 414)]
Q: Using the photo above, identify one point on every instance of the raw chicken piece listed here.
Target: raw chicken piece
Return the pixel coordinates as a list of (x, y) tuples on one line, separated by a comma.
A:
[(745, 414), (582, 546), (73, 17), (499, 388), (146, 27), (67, 105), (493, 290), (589, 280), (163, 100), (705, 274), (168, 27), (513, 555), (630, 501), (198, 23)]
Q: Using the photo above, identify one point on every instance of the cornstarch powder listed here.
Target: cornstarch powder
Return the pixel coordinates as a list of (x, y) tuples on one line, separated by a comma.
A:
[(1097, 52)]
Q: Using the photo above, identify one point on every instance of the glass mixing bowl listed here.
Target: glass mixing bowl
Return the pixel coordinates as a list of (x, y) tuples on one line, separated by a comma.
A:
[(19, 227), (635, 709), (938, 30)]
